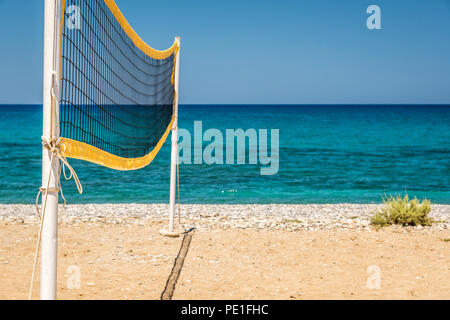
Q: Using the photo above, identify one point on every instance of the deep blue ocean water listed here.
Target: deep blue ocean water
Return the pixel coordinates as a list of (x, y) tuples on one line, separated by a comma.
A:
[(328, 154)]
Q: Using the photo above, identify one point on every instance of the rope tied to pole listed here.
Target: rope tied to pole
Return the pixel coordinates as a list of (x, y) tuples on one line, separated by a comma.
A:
[(55, 147)]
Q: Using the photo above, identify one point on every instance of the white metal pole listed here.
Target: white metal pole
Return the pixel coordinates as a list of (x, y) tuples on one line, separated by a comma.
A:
[(174, 155), (52, 14)]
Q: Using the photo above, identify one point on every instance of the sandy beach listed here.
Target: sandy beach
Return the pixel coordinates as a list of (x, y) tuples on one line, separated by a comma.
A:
[(237, 252)]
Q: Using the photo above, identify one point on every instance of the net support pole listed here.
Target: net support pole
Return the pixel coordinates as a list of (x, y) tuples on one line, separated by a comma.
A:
[(52, 15), (174, 156)]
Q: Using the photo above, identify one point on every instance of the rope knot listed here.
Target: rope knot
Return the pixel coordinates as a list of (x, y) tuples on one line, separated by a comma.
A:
[(54, 146)]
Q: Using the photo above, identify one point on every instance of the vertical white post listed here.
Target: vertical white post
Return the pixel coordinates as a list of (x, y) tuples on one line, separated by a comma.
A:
[(52, 71), (174, 155)]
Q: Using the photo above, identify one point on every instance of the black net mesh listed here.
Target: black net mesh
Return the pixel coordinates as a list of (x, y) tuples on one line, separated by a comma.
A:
[(113, 96)]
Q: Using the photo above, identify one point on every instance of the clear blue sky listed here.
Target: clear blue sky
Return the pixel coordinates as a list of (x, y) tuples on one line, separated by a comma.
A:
[(266, 51)]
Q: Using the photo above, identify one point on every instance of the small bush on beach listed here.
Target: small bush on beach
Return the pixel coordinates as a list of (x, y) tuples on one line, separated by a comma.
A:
[(403, 211)]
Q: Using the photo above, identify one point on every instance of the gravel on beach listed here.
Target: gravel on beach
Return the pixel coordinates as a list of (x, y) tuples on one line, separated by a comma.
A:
[(206, 216)]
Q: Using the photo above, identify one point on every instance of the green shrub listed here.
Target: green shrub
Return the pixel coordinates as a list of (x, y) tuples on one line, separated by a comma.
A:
[(401, 210)]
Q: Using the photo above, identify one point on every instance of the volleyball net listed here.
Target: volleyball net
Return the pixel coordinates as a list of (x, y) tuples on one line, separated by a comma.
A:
[(108, 98), (117, 93)]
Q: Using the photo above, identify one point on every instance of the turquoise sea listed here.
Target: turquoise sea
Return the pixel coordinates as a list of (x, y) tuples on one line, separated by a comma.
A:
[(328, 154)]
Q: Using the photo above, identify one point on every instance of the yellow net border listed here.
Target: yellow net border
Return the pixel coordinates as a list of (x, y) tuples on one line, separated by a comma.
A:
[(153, 53), (83, 151)]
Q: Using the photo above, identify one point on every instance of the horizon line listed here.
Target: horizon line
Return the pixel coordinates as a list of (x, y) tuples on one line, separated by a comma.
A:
[(274, 104)]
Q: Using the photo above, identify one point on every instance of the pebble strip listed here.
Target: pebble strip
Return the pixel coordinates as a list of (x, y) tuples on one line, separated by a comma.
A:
[(290, 217)]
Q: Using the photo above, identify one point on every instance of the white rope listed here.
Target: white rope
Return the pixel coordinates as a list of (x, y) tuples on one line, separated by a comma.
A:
[(54, 146), (178, 185)]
